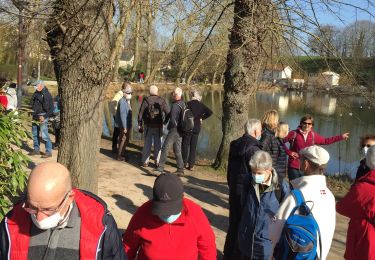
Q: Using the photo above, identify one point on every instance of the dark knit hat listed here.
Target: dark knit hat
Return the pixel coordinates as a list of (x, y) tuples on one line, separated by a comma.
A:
[(168, 193)]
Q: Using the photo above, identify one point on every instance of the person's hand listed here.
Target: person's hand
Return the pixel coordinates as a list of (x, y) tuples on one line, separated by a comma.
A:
[(345, 136), (125, 130), (140, 129), (41, 119), (294, 155)]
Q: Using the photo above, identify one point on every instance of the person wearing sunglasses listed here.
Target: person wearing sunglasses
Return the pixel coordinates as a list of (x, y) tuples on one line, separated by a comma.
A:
[(366, 142), (54, 221), (304, 136)]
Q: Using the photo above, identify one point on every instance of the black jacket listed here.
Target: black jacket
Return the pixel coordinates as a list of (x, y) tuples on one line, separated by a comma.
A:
[(175, 114), (42, 104), (144, 115), (269, 144), (200, 111), (362, 169), (282, 159)]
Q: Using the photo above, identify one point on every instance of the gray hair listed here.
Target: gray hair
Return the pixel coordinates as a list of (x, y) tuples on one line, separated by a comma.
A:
[(370, 157), (178, 92), (196, 95), (251, 125), (261, 160), (153, 90)]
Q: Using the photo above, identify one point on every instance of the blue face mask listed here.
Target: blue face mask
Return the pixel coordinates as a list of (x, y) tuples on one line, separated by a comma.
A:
[(259, 178), (170, 219), (258, 137)]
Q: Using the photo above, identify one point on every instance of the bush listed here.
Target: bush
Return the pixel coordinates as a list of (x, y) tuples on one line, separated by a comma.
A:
[(12, 161)]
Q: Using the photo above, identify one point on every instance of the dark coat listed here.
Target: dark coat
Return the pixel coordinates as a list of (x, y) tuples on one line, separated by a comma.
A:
[(159, 104), (258, 213), (282, 158), (175, 114), (42, 104), (200, 111), (269, 143), (362, 169)]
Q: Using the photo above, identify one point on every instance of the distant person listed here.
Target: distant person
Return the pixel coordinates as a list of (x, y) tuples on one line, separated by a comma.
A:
[(320, 200), (141, 78), (366, 142), (42, 106), (113, 110), (123, 121), (56, 221), (174, 136), (56, 121), (238, 177), (151, 115), (304, 136), (282, 158), (190, 139), (11, 93), (34, 75), (3, 100), (359, 205), (267, 191), (268, 140), (169, 226)]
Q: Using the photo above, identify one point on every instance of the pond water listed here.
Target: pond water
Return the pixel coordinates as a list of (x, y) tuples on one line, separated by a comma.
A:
[(332, 115)]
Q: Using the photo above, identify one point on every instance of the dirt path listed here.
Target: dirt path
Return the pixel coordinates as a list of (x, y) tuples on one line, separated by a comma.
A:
[(126, 186)]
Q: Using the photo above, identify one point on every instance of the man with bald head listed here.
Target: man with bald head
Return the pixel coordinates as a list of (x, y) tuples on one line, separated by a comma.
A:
[(55, 221)]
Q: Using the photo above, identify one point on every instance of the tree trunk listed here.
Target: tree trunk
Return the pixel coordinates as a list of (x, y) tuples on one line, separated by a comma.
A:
[(244, 61), (136, 40), (81, 53), (150, 22)]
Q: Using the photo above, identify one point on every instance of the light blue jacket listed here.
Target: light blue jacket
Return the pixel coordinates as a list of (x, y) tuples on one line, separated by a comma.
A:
[(123, 117)]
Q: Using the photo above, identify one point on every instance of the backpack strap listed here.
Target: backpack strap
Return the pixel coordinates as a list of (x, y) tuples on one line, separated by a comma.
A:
[(298, 197)]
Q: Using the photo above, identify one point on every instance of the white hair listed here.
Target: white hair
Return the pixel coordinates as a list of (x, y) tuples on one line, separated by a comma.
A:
[(370, 157), (251, 125), (196, 95), (261, 160), (153, 90), (178, 92)]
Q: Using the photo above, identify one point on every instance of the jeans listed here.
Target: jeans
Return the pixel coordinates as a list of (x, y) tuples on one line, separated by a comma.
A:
[(173, 138), (152, 134), (123, 142), (36, 128), (294, 173), (189, 146)]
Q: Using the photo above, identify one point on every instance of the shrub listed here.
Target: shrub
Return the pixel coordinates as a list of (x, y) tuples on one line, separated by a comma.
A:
[(13, 162)]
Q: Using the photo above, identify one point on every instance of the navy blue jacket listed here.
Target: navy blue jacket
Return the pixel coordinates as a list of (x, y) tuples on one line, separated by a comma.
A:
[(42, 104), (257, 215)]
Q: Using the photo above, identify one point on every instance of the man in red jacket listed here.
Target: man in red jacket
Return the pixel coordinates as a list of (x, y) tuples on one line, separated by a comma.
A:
[(169, 226), (359, 206), (55, 221), (304, 136)]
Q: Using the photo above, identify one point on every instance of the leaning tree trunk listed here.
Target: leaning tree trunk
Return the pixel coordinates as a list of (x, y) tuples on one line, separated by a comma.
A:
[(136, 40), (81, 55), (150, 22), (251, 18)]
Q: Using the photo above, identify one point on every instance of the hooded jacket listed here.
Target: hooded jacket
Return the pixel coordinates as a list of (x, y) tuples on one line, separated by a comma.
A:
[(189, 237), (359, 206), (99, 237), (297, 142), (42, 104)]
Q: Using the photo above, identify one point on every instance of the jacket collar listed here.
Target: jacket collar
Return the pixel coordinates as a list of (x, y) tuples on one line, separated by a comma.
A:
[(311, 180)]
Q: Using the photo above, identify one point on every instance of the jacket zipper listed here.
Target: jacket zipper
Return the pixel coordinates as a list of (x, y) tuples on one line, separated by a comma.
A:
[(100, 238), (10, 243)]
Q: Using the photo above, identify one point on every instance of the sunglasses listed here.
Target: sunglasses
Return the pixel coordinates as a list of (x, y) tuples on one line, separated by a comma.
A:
[(366, 145), (33, 210), (307, 123)]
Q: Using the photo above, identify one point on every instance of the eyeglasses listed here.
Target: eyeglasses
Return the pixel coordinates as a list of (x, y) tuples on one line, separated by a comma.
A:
[(306, 123), (33, 210), (366, 145)]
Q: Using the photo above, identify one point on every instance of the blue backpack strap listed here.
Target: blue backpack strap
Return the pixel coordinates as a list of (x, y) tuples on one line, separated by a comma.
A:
[(297, 194)]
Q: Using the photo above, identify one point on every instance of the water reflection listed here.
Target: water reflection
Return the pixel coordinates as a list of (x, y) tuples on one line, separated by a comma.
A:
[(333, 115)]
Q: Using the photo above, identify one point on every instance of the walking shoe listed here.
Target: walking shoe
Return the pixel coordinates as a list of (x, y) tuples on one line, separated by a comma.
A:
[(158, 171), (145, 165), (180, 172), (46, 155), (33, 152), (191, 168)]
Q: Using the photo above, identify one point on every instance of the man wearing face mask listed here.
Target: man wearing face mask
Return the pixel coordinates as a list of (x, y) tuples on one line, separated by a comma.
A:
[(169, 226), (238, 172), (123, 121), (267, 191), (42, 106), (366, 142), (318, 198), (55, 221)]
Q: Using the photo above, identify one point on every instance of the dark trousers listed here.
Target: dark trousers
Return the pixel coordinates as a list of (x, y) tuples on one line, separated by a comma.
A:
[(57, 136), (189, 146), (173, 139), (294, 173), (115, 135)]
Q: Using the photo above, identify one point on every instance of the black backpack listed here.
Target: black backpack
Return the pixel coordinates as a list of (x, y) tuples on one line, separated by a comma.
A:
[(153, 112), (186, 123)]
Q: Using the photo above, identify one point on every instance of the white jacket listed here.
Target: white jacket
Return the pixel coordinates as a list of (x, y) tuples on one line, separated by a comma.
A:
[(323, 205)]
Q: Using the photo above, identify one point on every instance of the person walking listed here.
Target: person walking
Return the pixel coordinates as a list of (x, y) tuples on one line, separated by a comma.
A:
[(174, 136), (240, 152), (304, 136), (42, 106), (151, 115), (123, 121), (169, 226), (359, 205), (190, 139), (113, 110)]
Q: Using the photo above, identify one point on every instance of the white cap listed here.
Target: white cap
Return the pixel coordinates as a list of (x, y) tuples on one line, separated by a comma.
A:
[(315, 154)]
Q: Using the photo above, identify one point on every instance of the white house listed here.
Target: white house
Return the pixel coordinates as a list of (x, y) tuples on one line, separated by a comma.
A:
[(126, 59), (332, 78), (324, 79), (277, 72)]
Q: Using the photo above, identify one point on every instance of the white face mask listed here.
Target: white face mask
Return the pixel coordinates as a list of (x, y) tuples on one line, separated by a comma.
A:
[(128, 96), (47, 223), (364, 151)]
